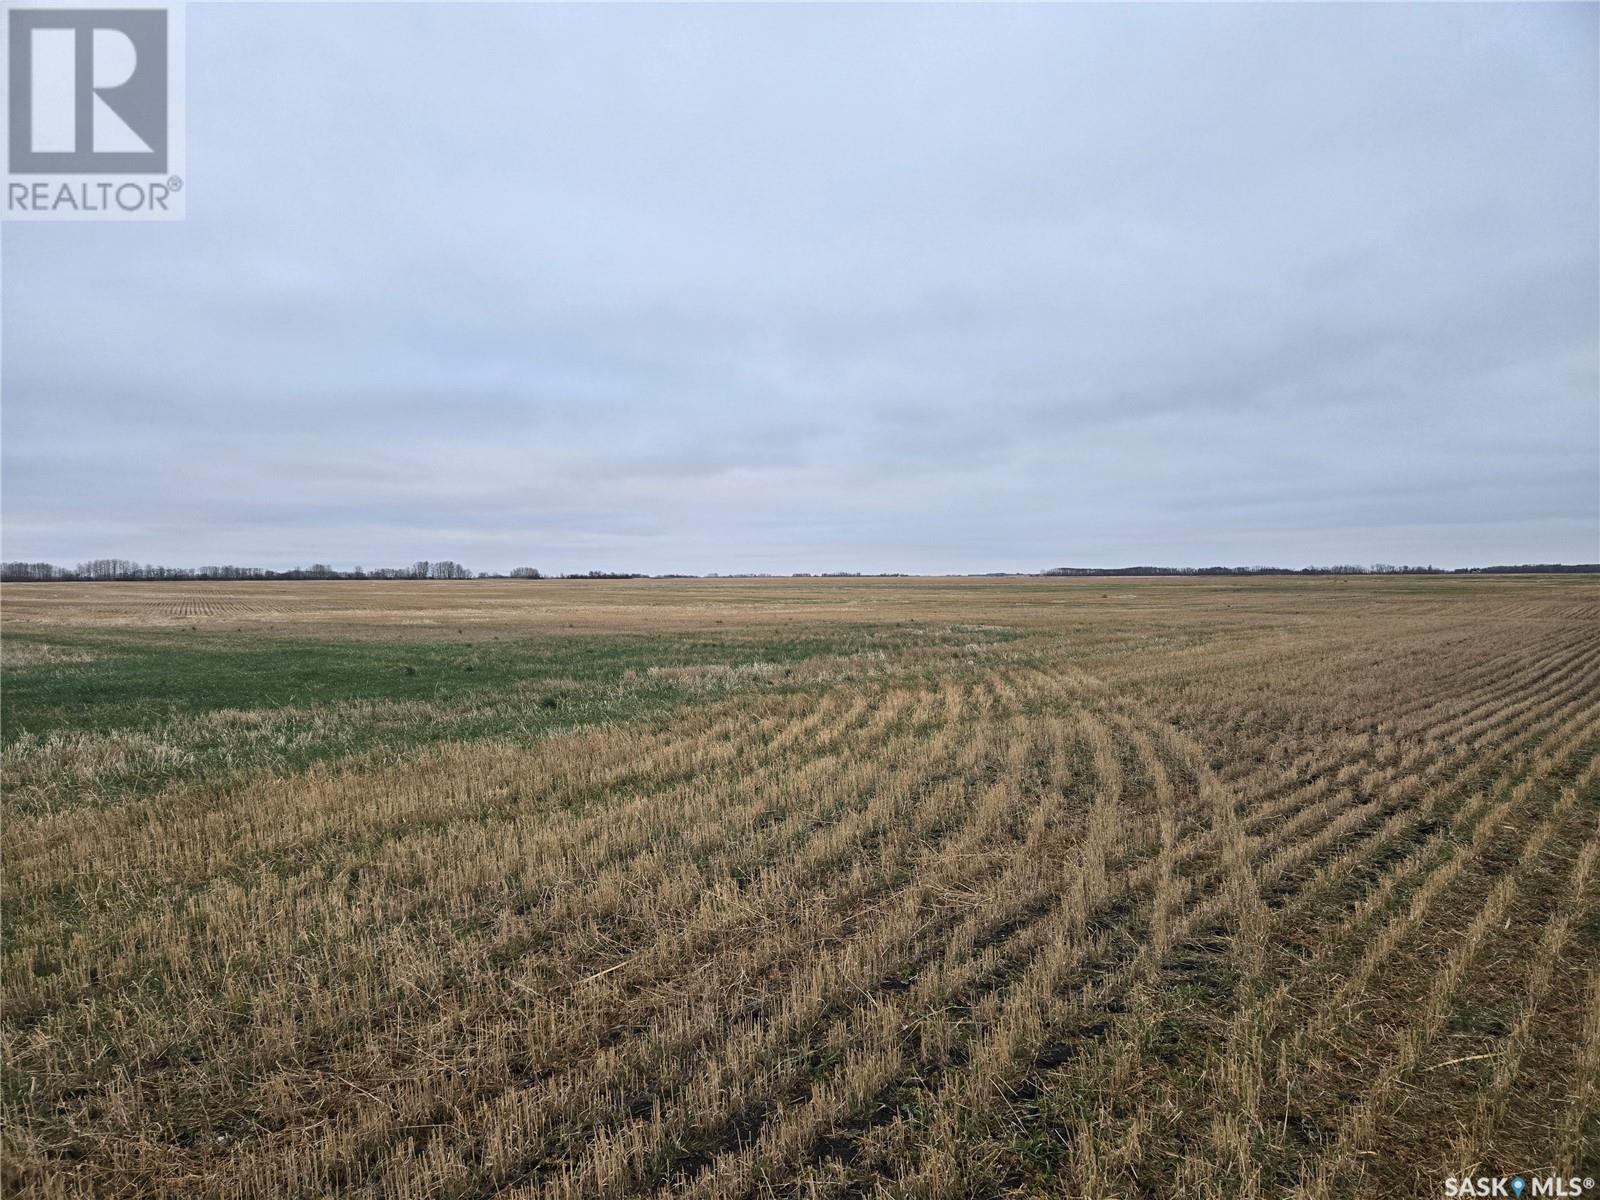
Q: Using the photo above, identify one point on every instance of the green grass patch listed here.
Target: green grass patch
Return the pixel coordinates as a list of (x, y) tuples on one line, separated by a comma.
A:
[(150, 709)]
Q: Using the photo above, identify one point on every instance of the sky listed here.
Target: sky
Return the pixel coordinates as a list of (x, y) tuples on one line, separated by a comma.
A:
[(922, 288)]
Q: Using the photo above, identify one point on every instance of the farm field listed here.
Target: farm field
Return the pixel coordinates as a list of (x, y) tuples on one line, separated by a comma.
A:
[(800, 887)]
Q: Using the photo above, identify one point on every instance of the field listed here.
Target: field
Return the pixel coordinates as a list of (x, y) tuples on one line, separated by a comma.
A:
[(810, 888)]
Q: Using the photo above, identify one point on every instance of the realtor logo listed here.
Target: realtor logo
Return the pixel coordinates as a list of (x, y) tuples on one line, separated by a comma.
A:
[(88, 91), (94, 92)]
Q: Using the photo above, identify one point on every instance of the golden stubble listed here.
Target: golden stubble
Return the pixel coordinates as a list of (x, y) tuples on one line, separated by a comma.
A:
[(1190, 890)]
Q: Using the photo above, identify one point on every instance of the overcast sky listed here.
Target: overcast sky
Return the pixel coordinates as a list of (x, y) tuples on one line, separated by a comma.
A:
[(808, 288)]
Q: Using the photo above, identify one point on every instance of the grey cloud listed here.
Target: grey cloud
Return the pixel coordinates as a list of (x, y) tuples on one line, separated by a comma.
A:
[(786, 287)]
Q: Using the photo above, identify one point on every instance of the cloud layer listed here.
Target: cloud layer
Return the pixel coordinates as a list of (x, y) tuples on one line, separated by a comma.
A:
[(924, 288)]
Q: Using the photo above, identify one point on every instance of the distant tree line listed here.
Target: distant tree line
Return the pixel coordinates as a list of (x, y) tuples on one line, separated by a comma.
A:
[(124, 570), (1533, 569), (1340, 569)]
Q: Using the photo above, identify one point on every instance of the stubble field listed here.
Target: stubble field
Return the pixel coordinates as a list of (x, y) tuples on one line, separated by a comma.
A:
[(921, 888)]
